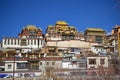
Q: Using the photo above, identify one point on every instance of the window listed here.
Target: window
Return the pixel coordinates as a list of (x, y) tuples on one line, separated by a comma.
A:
[(99, 39), (18, 41), (35, 42), (22, 65), (28, 41), (40, 63), (92, 61), (5, 41), (51, 49), (96, 49), (32, 33), (31, 42), (9, 66), (53, 63), (47, 63), (11, 41), (41, 42), (38, 42), (23, 42), (102, 61), (8, 41), (15, 41)]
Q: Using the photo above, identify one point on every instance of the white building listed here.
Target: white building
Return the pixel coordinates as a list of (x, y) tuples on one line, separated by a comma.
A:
[(29, 38), (69, 61), (70, 44), (96, 61), (21, 65), (22, 43)]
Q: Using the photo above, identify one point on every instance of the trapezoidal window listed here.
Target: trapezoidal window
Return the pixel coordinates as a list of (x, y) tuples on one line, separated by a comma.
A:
[(92, 61), (23, 42), (102, 61)]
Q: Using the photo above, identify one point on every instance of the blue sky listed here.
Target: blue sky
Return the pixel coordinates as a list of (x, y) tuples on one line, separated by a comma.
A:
[(82, 14)]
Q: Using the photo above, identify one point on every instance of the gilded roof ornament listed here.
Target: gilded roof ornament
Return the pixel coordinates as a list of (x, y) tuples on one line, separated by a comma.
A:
[(32, 28), (61, 22)]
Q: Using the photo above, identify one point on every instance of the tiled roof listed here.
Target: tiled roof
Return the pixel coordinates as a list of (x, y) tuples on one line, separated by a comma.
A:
[(61, 22), (94, 29)]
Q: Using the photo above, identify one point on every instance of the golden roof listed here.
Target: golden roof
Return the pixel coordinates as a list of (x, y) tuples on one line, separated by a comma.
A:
[(64, 28), (50, 26), (94, 29), (67, 32), (31, 27), (61, 22)]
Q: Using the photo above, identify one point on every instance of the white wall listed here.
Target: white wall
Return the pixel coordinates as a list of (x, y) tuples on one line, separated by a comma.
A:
[(68, 65), (71, 43), (12, 64), (58, 64), (98, 50), (9, 63), (18, 45), (97, 62)]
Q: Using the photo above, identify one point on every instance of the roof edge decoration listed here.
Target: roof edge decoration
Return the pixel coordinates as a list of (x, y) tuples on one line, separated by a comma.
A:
[(61, 23), (94, 29)]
